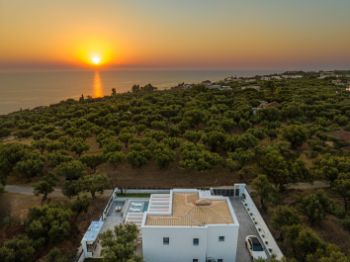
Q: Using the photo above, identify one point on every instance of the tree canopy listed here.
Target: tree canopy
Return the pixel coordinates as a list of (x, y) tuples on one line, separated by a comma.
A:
[(120, 245)]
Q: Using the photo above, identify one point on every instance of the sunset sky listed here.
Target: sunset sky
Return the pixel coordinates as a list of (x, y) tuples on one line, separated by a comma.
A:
[(240, 34)]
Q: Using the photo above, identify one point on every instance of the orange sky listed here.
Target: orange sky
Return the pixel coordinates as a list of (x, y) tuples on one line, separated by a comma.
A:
[(183, 33)]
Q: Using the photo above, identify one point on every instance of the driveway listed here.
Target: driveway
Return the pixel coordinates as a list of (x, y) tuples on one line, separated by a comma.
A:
[(246, 227)]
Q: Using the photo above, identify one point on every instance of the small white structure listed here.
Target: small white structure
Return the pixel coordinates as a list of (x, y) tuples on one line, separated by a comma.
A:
[(90, 239), (276, 77), (338, 82), (189, 225)]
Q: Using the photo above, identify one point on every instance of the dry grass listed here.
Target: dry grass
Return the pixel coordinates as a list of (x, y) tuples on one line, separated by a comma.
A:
[(18, 205), (332, 231), (12, 139), (342, 135), (94, 147)]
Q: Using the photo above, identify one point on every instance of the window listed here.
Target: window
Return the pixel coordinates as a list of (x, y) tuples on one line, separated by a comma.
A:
[(196, 241), (221, 238), (220, 260), (166, 241), (195, 260)]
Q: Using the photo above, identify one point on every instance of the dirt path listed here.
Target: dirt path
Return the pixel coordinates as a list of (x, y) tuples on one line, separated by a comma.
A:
[(28, 190), (305, 186)]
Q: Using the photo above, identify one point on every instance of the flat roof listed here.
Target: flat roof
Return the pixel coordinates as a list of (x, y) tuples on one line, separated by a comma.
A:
[(192, 209), (93, 231), (134, 218), (160, 204)]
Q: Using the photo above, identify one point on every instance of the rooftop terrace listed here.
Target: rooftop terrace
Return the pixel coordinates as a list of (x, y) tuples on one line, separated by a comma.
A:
[(188, 209)]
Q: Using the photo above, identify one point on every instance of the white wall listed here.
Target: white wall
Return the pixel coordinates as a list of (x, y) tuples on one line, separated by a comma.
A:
[(181, 246), (225, 250), (260, 225)]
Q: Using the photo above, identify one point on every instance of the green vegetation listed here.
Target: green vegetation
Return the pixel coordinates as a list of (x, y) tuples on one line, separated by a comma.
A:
[(263, 189), (194, 129), (315, 207), (120, 245), (48, 224), (288, 131), (44, 226), (45, 186), (93, 184), (135, 195)]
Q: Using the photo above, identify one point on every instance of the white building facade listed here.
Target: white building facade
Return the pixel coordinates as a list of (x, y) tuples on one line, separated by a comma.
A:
[(189, 225)]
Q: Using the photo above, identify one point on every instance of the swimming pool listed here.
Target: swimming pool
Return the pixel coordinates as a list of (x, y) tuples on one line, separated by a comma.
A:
[(138, 206)]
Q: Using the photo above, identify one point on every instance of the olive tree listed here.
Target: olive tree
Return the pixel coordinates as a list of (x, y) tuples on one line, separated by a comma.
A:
[(264, 189)]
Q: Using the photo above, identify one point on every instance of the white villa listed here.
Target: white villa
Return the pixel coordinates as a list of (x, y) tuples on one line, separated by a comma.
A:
[(189, 225), (184, 225)]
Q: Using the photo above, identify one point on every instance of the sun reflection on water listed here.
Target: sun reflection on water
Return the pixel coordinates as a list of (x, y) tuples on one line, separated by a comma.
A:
[(97, 88)]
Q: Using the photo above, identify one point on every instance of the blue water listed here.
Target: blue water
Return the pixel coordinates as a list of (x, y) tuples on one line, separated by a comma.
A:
[(138, 206), (31, 89)]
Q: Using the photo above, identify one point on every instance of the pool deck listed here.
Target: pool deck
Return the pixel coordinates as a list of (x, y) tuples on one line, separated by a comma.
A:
[(114, 218)]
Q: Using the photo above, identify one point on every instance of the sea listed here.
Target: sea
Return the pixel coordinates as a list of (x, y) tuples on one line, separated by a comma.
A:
[(30, 89)]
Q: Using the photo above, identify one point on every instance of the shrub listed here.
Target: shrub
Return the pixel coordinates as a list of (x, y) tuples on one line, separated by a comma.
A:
[(50, 224), (137, 158), (164, 156), (115, 158), (197, 158), (315, 207), (18, 249)]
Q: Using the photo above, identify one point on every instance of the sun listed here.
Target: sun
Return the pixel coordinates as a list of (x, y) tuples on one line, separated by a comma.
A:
[(96, 60)]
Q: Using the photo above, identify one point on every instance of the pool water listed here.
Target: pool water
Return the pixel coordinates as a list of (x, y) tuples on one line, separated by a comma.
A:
[(138, 206)]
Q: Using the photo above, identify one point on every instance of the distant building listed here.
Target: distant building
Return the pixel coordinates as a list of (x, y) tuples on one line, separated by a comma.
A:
[(250, 80), (292, 76), (276, 77), (326, 74), (256, 87), (183, 86), (231, 79), (323, 77), (214, 86), (189, 225), (338, 82)]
